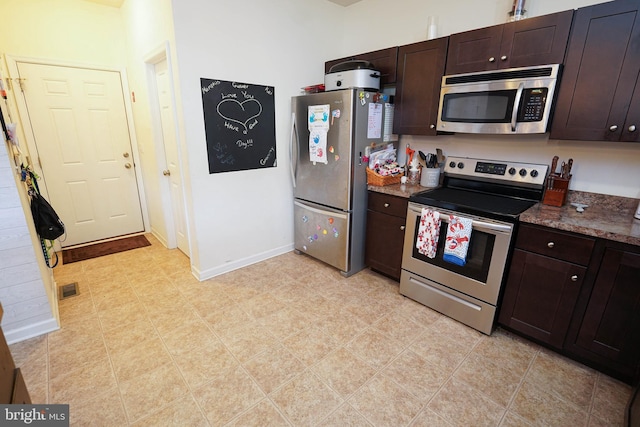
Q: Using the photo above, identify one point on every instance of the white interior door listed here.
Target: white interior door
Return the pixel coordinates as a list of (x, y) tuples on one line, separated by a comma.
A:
[(80, 127), (172, 171)]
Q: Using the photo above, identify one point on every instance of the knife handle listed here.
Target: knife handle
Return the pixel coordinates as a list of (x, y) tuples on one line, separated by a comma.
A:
[(554, 164)]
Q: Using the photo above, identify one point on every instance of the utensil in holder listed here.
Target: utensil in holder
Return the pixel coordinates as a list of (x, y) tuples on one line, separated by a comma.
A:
[(556, 190)]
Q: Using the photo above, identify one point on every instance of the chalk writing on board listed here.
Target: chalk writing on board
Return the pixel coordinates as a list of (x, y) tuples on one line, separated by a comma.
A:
[(239, 125)]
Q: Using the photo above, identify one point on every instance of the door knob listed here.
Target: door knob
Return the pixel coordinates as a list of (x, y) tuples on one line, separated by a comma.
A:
[(402, 227), (127, 165), (166, 172), (125, 155)]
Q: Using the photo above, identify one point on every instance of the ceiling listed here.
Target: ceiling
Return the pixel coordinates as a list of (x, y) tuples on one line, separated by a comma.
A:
[(118, 3), (112, 3), (344, 2)]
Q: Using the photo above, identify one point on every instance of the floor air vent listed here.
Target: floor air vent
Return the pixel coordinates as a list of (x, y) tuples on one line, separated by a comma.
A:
[(69, 290)]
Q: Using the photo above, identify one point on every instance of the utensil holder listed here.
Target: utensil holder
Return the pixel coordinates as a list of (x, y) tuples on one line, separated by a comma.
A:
[(556, 190)]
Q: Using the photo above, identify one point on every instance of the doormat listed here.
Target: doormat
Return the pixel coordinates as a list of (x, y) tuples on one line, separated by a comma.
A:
[(104, 248)]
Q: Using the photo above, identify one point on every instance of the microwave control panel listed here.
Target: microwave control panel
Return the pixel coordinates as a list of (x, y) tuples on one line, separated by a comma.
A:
[(532, 104)]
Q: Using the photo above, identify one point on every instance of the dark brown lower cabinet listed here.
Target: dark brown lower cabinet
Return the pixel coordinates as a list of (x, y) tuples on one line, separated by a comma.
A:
[(386, 216), (606, 326), (588, 312), (540, 295)]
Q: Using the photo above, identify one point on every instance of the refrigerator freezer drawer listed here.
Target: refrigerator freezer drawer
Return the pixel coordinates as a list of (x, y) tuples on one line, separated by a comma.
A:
[(322, 233)]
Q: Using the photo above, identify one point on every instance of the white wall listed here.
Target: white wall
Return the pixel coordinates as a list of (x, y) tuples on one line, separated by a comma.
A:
[(149, 30), (244, 216), (68, 31), (28, 300), (599, 167)]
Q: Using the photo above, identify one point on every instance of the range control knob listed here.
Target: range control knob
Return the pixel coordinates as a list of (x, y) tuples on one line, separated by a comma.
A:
[(523, 172), (533, 173), (452, 164), (460, 165), (512, 171)]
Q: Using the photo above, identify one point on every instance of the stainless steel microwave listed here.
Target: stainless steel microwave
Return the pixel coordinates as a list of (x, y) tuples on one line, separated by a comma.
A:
[(509, 101)]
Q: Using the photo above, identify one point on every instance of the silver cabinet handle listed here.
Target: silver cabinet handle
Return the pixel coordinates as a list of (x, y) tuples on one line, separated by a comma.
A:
[(166, 172), (574, 278), (432, 126), (386, 205), (613, 128), (492, 59), (127, 165), (402, 227), (550, 244), (503, 58), (632, 128)]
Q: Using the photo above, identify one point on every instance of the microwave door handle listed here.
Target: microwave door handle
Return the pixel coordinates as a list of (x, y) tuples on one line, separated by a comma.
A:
[(516, 106)]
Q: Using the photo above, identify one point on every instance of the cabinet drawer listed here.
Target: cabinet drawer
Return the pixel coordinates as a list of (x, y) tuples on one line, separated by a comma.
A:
[(390, 205), (555, 244)]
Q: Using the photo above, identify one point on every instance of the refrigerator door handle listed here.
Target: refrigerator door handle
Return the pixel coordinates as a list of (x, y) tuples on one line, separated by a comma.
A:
[(292, 147)]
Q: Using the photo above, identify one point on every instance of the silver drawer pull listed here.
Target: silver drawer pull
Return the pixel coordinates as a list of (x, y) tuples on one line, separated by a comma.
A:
[(492, 59), (613, 128), (386, 205), (632, 128), (550, 244), (574, 278), (402, 227), (503, 58)]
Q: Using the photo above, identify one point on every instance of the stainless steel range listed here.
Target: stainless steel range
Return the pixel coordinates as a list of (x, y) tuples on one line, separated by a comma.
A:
[(489, 195)]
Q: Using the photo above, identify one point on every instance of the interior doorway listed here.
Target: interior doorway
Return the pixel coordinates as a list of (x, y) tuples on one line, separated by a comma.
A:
[(164, 123)]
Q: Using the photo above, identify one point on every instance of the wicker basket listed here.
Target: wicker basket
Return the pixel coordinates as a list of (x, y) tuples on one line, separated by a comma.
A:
[(379, 180)]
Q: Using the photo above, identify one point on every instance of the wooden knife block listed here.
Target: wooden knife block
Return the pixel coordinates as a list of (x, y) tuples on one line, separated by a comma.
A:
[(555, 193)]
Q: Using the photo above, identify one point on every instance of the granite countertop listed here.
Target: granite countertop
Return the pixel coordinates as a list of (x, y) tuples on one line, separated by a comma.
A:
[(607, 217), (400, 190)]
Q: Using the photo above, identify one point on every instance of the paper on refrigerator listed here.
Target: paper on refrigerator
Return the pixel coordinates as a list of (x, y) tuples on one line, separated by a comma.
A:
[(318, 128)]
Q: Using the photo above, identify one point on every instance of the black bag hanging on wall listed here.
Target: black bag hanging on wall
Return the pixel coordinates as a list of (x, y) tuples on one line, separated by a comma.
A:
[(48, 224)]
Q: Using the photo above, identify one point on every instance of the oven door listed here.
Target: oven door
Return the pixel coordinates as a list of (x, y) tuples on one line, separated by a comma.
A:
[(481, 276)]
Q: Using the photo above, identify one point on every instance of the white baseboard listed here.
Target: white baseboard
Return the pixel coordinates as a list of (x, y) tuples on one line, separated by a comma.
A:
[(30, 331), (244, 262)]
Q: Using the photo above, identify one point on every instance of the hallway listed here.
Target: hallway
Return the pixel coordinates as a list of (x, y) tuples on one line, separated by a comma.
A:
[(289, 341)]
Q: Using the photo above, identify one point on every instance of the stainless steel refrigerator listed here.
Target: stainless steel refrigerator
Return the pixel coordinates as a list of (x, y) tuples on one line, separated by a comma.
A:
[(330, 136)]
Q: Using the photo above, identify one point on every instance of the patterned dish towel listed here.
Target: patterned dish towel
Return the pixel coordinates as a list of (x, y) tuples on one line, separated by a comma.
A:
[(457, 244), (428, 233)]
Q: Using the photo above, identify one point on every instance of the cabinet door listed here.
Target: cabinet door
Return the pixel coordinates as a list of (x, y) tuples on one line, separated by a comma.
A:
[(535, 41), (611, 323), (420, 71), (600, 73), (385, 238), (539, 296), (384, 60), (474, 50)]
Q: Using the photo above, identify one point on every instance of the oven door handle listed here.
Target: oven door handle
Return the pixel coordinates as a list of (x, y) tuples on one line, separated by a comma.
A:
[(479, 225)]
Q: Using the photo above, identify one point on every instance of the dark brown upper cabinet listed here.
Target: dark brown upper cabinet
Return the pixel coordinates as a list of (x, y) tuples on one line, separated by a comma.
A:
[(420, 71), (599, 96), (534, 41), (383, 60)]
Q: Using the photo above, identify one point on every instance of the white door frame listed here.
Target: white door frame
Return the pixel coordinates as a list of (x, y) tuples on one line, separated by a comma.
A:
[(151, 59), (25, 121)]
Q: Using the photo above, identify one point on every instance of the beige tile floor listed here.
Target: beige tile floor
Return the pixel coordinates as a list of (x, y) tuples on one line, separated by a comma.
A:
[(288, 342)]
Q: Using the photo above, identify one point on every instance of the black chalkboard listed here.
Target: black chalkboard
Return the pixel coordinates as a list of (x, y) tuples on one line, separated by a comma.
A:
[(239, 122)]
